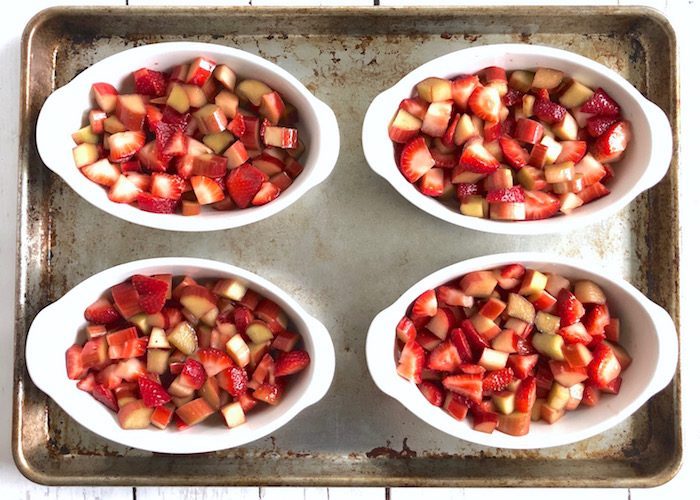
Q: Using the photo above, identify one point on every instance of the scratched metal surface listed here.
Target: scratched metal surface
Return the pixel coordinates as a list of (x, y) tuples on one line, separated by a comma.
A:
[(345, 251)]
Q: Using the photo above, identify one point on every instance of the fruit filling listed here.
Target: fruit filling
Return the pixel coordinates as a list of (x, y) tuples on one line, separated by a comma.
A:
[(195, 135), (514, 146), (511, 345), (164, 352)]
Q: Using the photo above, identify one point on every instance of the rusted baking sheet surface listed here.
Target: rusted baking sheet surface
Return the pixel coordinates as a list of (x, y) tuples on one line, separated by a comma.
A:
[(346, 250)]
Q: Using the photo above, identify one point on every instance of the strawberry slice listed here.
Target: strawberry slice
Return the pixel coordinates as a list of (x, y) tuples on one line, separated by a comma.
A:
[(525, 395), (101, 312), (105, 396), (206, 190), (243, 183), (242, 316), (152, 293), (575, 333), (74, 363), (476, 342), (497, 380), (149, 203), (167, 186), (152, 393), (462, 89), (604, 368), (571, 151), (173, 117), (123, 191), (506, 195), (591, 170), (444, 358), (452, 296), (598, 125), (523, 365), (593, 192), (170, 140), (214, 361), (459, 340), (512, 97), (268, 393), (485, 102), (591, 394), (476, 158), (569, 309), (415, 159), (513, 152), (548, 111), (124, 145), (412, 362), (87, 384), (433, 182), (102, 172), (292, 362), (193, 374), (432, 392), (610, 146), (233, 380), (126, 299), (149, 82), (601, 104), (464, 190), (540, 205), (470, 386), (596, 319), (268, 192), (425, 305), (237, 126), (406, 330), (444, 160)]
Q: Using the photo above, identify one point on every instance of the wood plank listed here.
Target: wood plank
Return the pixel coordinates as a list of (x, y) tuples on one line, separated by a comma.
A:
[(198, 493)]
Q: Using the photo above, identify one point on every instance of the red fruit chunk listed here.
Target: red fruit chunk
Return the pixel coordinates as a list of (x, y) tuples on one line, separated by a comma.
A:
[(475, 158), (513, 153), (167, 186), (523, 365), (214, 361), (497, 380), (465, 190), (432, 392), (178, 120), (126, 299), (292, 362), (462, 89), (485, 103), (470, 386), (571, 151), (610, 146), (152, 393), (425, 305), (149, 82), (101, 312), (152, 293), (591, 395), (74, 363), (528, 131), (507, 195), (195, 411), (540, 205), (596, 319), (456, 405), (604, 368), (150, 203), (598, 125), (569, 309), (233, 380), (415, 159), (406, 330), (601, 104), (444, 357), (484, 421), (525, 395), (548, 111), (105, 396), (512, 98), (268, 393), (593, 192), (575, 333), (243, 183), (459, 340), (193, 374)]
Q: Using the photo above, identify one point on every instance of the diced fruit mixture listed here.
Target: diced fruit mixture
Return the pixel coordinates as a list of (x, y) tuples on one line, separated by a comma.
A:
[(511, 345), (159, 351), (195, 135), (524, 145)]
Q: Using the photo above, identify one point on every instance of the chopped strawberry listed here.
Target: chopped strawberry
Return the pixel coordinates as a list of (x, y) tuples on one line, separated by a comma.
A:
[(167, 186), (214, 361), (292, 362), (598, 125), (152, 393), (497, 380), (425, 304), (464, 190), (406, 330), (525, 395), (571, 151), (102, 172), (124, 145), (126, 299), (597, 319), (523, 365), (150, 203), (513, 152), (462, 89), (601, 104), (415, 159), (105, 396), (237, 126), (512, 97), (242, 316), (152, 293), (593, 192), (569, 309), (268, 192), (432, 392), (170, 140), (87, 384), (476, 342), (193, 374), (233, 380), (485, 103), (507, 195), (452, 296), (172, 117), (149, 82), (445, 358), (206, 190), (610, 146), (243, 183), (433, 182), (268, 393), (476, 158), (124, 191), (470, 386), (459, 340), (540, 205), (101, 312), (548, 111), (412, 362), (604, 368), (74, 363)]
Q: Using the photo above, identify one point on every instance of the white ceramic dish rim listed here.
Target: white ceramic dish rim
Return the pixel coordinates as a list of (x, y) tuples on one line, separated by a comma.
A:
[(382, 366), (45, 357), (651, 129), (319, 128)]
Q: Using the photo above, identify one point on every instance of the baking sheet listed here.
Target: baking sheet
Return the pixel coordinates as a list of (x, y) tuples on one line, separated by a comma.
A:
[(346, 250)]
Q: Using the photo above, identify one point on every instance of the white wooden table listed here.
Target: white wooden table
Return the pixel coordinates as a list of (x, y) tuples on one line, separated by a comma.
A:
[(685, 16)]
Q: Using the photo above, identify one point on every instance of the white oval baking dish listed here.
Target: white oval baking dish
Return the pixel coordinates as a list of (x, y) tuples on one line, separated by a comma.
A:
[(648, 334)]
